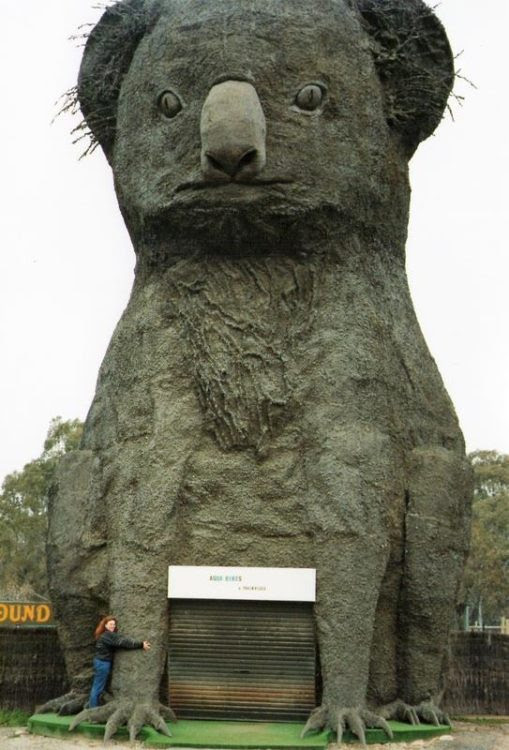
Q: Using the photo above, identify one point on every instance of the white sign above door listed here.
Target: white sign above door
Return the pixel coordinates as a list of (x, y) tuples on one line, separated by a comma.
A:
[(262, 584)]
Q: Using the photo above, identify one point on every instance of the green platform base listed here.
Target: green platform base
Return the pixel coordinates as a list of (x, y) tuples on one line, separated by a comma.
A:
[(231, 734)]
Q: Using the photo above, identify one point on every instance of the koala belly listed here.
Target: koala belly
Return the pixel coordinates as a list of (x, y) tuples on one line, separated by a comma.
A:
[(236, 509)]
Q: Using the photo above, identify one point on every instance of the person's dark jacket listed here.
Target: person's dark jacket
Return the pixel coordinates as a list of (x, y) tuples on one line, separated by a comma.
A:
[(107, 643)]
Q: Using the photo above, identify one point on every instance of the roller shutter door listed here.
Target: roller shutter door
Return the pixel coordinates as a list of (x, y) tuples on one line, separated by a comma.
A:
[(247, 660)]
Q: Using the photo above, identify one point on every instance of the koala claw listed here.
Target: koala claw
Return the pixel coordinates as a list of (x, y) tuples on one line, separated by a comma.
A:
[(429, 713), (131, 713), (426, 711), (339, 718), (64, 705)]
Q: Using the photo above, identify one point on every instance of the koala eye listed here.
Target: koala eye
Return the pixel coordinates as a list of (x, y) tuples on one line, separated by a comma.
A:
[(310, 97), (169, 104)]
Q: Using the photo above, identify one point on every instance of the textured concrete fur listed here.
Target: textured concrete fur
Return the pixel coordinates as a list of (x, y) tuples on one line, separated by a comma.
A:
[(267, 397)]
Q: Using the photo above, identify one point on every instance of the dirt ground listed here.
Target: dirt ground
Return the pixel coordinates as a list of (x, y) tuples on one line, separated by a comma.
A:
[(465, 737)]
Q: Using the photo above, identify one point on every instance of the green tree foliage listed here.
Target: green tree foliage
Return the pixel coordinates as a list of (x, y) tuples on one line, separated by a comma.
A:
[(23, 514), (487, 570)]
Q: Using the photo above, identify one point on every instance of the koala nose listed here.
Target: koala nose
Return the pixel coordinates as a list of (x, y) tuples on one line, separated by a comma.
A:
[(233, 132)]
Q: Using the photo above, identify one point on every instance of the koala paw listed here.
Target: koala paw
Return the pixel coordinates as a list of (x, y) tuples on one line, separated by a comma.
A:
[(134, 714), (426, 712), (65, 705), (339, 718)]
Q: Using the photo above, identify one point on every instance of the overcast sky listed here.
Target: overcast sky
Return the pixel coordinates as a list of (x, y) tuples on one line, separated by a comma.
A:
[(66, 262)]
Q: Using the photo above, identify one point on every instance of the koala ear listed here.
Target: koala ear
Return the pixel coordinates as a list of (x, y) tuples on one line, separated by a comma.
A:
[(414, 62), (108, 54)]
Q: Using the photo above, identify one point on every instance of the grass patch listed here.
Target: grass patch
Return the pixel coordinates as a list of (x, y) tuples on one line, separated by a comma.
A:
[(14, 718)]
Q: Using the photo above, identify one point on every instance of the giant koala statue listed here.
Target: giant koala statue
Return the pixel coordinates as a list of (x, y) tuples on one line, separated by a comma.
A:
[(267, 397)]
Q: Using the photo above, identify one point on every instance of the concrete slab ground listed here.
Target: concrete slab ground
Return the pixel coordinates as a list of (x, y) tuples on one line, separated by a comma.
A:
[(465, 736)]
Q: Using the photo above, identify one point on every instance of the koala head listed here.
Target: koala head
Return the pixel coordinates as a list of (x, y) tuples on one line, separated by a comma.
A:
[(263, 109)]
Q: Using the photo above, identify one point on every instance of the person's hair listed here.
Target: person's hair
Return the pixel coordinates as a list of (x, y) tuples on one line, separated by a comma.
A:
[(102, 625)]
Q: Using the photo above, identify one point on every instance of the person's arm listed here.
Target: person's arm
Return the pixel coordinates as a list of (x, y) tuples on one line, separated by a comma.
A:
[(123, 641)]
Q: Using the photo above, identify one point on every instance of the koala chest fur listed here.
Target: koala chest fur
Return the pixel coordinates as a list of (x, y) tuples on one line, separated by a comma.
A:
[(253, 382)]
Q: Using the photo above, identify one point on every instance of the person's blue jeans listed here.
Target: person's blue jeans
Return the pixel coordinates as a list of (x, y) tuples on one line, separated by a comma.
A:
[(102, 671)]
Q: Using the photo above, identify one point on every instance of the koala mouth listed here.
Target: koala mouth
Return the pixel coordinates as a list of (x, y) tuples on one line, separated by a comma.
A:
[(206, 184)]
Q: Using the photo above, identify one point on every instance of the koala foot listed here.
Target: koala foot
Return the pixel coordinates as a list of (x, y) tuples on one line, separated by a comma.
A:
[(65, 705), (134, 714), (426, 712), (339, 718)]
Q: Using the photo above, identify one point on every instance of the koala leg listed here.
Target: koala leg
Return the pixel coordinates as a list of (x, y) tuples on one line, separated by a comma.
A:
[(437, 525), (143, 538), (139, 600), (350, 574), (76, 551), (355, 486), (383, 685)]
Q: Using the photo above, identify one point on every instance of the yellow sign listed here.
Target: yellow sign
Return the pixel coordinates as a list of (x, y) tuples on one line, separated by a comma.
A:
[(26, 613)]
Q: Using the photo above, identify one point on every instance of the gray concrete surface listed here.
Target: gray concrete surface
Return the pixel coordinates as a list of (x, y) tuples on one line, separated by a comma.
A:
[(465, 737)]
